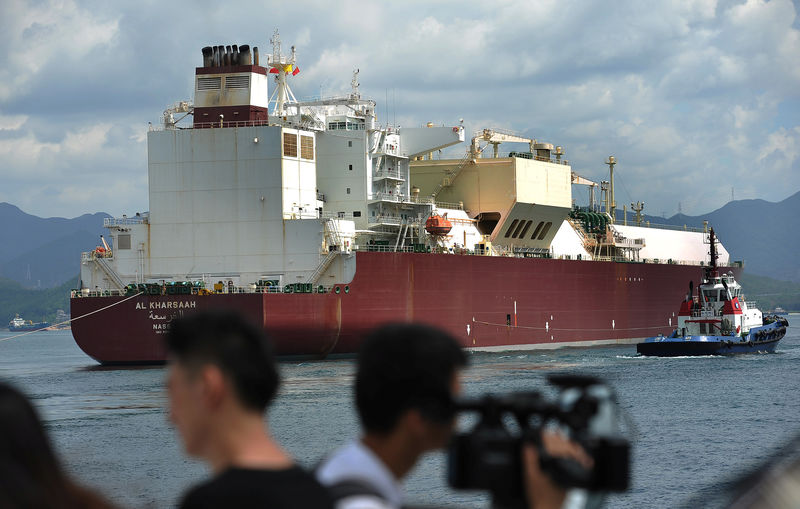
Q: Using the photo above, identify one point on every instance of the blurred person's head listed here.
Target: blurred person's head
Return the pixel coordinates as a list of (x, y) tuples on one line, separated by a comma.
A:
[(30, 473), (220, 366), (408, 376)]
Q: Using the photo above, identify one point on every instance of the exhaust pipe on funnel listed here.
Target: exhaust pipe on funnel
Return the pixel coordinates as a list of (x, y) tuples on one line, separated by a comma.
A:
[(244, 55), (235, 58), (208, 56), (255, 55)]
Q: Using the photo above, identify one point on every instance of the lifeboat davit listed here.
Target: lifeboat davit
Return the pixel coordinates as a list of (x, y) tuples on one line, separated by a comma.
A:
[(438, 225)]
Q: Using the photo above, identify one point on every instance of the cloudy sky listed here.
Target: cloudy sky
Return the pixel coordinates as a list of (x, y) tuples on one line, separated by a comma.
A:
[(694, 98)]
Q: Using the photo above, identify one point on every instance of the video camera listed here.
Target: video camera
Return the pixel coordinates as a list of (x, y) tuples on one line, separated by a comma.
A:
[(489, 456)]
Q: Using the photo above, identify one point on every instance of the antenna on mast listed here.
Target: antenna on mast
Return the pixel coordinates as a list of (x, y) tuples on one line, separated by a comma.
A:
[(354, 94), (281, 66)]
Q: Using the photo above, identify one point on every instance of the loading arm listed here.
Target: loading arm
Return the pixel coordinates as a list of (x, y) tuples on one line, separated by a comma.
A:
[(495, 137)]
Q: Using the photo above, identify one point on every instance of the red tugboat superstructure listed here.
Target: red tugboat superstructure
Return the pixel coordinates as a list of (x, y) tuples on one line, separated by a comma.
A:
[(319, 223)]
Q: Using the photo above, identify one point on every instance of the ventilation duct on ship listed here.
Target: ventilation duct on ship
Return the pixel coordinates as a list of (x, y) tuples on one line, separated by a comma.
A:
[(235, 55), (208, 56), (215, 56), (255, 55), (228, 55), (244, 55)]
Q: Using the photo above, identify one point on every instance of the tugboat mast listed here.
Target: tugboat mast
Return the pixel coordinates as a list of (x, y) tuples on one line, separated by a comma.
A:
[(712, 270)]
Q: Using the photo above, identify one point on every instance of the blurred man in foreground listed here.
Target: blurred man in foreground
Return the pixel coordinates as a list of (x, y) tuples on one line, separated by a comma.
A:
[(406, 382), (221, 378)]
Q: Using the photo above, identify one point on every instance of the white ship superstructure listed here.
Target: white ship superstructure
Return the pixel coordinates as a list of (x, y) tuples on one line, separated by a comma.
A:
[(240, 198)]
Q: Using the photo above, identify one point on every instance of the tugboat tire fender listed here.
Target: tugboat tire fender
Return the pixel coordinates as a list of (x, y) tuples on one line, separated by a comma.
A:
[(749, 343)]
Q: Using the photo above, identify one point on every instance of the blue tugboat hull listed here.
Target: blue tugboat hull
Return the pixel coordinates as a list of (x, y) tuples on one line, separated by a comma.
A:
[(760, 340)]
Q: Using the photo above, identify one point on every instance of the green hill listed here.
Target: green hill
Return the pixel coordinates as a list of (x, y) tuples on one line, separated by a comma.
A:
[(35, 305), (769, 293)]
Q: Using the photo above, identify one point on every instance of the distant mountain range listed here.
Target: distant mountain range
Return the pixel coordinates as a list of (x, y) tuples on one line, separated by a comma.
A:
[(45, 252)]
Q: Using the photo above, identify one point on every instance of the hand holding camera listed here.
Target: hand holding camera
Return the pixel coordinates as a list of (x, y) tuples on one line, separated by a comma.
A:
[(594, 456)]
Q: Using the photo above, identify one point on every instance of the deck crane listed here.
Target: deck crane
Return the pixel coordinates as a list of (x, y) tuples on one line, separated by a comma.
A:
[(495, 137), (577, 179)]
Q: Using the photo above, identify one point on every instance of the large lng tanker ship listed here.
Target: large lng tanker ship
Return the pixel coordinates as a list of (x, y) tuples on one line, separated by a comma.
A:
[(319, 223)]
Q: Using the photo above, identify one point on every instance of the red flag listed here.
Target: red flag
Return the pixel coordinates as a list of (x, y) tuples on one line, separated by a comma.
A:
[(296, 70), (273, 70)]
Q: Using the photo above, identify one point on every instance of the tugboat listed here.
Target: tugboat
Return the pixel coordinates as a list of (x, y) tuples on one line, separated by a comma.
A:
[(717, 321)]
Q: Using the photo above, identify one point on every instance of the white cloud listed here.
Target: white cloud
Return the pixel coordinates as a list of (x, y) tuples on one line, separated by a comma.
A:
[(37, 33), (12, 122)]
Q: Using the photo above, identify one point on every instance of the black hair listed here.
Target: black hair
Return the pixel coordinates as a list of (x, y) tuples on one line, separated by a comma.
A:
[(403, 367), (238, 348), (30, 473)]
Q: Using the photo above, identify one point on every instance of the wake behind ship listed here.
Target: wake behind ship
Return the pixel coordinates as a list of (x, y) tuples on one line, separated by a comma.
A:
[(319, 223)]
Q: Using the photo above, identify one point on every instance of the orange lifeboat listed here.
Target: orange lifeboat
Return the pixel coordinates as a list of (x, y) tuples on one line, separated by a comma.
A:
[(438, 225)]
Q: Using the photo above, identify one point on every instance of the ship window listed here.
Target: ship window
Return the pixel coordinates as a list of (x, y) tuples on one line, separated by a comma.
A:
[(511, 228), (348, 190), (525, 230), (289, 145), (332, 126), (341, 125), (537, 230), (356, 213), (545, 230), (518, 229), (307, 147), (124, 241), (349, 143), (237, 82), (214, 83), (350, 167)]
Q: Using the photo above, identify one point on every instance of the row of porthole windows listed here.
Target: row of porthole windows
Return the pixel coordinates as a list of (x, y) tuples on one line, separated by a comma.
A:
[(518, 229)]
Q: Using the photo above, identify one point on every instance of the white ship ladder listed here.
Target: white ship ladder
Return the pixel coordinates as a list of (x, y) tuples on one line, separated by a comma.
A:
[(110, 272), (401, 234), (322, 267), (448, 180)]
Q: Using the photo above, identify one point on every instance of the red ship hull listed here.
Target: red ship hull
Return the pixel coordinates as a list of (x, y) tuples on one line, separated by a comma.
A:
[(490, 303)]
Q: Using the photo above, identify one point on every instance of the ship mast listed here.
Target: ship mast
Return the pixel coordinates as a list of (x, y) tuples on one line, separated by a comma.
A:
[(712, 240), (281, 66)]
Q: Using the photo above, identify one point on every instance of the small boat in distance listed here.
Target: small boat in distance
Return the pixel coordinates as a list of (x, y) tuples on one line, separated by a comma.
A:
[(717, 321), (779, 311), (19, 325)]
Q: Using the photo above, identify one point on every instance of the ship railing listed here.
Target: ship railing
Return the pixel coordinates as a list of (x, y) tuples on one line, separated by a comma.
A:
[(384, 249), (389, 174), (90, 256), (249, 289), (393, 220), (449, 205), (336, 215), (231, 123), (683, 228), (123, 221)]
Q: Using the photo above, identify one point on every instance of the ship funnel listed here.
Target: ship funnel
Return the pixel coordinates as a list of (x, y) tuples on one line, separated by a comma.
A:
[(208, 56), (255, 55), (244, 55), (235, 59), (228, 54)]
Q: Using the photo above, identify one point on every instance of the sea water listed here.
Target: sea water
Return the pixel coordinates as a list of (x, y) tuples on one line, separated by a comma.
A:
[(698, 421)]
